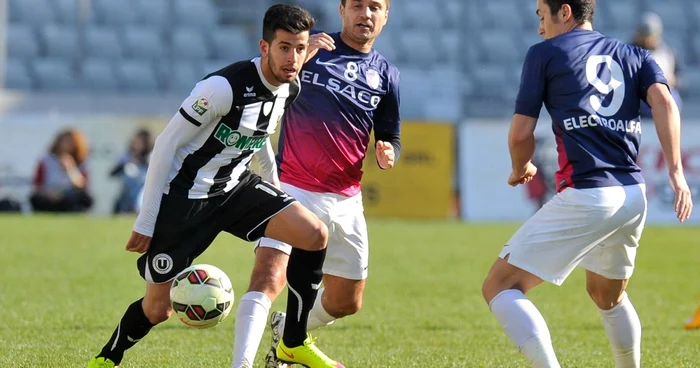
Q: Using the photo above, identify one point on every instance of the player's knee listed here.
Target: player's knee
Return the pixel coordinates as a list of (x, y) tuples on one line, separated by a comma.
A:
[(157, 311), (318, 235), (603, 297), (344, 308)]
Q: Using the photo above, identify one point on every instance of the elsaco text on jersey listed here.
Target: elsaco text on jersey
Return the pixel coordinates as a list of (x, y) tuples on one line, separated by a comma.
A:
[(358, 95), (234, 138)]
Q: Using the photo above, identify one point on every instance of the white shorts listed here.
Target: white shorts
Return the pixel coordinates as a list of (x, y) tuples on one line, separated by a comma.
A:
[(348, 253), (597, 228)]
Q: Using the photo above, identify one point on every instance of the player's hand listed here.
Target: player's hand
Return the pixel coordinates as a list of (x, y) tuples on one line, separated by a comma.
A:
[(319, 41), (138, 243), (522, 176), (683, 204), (385, 154)]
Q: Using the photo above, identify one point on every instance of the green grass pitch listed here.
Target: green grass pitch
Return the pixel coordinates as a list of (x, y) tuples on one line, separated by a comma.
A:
[(65, 282)]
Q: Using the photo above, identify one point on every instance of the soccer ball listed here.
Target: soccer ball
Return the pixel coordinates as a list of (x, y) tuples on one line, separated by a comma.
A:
[(201, 296)]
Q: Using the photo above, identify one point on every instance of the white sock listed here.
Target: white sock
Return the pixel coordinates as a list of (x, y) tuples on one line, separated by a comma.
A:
[(318, 317), (251, 318), (526, 327), (624, 332)]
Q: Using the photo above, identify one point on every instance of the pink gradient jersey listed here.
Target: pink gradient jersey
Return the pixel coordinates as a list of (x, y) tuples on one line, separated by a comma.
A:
[(325, 132)]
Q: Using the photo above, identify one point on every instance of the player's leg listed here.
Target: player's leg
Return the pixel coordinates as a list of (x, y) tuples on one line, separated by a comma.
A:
[(175, 244), (272, 213), (267, 281), (609, 266)]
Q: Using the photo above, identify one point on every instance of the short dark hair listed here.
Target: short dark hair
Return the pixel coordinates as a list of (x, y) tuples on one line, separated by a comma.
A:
[(388, 2), (582, 10), (290, 18)]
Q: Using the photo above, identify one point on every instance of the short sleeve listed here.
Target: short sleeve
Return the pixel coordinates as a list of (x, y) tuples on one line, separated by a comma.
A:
[(649, 73), (532, 84), (208, 102)]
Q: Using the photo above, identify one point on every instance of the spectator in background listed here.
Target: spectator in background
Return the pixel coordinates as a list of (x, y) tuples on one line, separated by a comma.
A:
[(131, 169), (649, 35), (60, 182)]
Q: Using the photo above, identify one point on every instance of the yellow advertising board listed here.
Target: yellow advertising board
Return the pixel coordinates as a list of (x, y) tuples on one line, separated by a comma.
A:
[(421, 184)]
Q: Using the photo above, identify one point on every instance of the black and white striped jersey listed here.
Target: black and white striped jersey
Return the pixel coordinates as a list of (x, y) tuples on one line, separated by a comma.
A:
[(236, 110), (208, 144)]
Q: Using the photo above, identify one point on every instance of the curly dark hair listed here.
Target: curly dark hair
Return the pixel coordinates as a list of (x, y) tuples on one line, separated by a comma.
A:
[(290, 18)]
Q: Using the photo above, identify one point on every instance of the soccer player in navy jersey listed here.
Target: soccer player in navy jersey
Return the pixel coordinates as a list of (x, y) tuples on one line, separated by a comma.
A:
[(347, 91), (592, 86)]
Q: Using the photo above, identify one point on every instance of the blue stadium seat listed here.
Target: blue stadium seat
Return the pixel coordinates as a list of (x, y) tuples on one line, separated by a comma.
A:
[(413, 86), (695, 11), (418, 47), (674, 14), (499, 46), (189, 44), (200, 13), (183, 76), (143, 42), (102, 41), (330, 18), (54, 74), (153, 12), (451, 43), (695, 49), (692, 82), (61, 41), (66, 11), (453, 13), (504, 14), (494, 83), (35, 12), (623, 13), (212, 65), (21, 41), (114, 12), (137, 76), (417, 14), (17, 75), (99, 75), (386, 46), (232, 43)]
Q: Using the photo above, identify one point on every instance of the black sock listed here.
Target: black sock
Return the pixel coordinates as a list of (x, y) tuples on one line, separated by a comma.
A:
[(132, 328), (304, 274)]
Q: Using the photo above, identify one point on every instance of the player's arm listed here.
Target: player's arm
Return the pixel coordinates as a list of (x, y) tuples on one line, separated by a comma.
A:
[(208, 101), (267, 163), (521, 136), (387, 126), (668, 128)]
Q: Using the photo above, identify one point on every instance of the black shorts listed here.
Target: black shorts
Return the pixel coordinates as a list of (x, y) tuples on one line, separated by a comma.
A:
[(186, 227)]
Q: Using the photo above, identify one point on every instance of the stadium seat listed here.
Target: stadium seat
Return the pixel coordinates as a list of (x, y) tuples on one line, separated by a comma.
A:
[(231, 43), (189, 44), (137, 76), (386, 46), (213, 65), (54, 74), (35, 12), (503, 14), (453, 13), (21, 41), (200, 13), (692, 83), (450, 43), (67, 11), (414, 85), (680, 43), (330, 17), (114, 12), (493, 83), (17, 75), (183, 76), (60, 41), (623, 13), (99, 75), (695, 48), (418, 47), (102, 41), (674, 14), (153, 12), (418, 14), (499, 46), (143, 42)]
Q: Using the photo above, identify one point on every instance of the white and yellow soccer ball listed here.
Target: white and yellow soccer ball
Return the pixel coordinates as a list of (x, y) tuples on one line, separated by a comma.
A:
[(201, 296)]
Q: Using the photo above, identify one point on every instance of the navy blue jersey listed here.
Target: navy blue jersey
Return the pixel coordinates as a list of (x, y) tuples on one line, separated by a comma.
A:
[(345, 94), (591, 86)]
